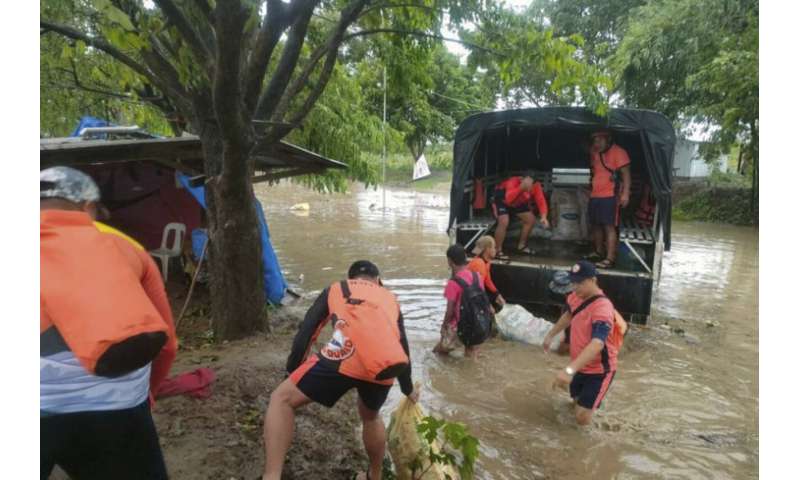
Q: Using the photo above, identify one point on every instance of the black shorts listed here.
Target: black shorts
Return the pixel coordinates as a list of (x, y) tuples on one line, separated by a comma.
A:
[(326, 386), (100, 445), (589, 389), (500, 208), (604, 211)]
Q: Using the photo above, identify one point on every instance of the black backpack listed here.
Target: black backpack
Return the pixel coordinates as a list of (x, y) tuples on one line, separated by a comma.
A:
[(475, 314)]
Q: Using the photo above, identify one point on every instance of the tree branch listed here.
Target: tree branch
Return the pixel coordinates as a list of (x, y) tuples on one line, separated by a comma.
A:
[(273, 25), (382, 6), (99, 44), (291, 53), (331, 47), (199, 47), (416, 33)]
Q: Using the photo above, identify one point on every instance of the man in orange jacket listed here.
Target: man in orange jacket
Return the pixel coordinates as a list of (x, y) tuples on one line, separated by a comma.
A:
[(367, 351), (107, 340)]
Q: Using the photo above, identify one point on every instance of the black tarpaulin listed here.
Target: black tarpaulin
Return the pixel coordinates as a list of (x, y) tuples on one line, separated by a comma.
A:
[(544, 138)]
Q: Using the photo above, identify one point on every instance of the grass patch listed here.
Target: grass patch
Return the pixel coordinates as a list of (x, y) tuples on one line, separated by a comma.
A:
[(718, 205)]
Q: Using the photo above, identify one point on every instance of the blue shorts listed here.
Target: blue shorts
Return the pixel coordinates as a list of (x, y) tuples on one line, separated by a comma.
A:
[(589, 389), (604, 211)]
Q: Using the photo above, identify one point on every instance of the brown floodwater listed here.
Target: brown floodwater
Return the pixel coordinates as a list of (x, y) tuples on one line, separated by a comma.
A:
[(684, 403)]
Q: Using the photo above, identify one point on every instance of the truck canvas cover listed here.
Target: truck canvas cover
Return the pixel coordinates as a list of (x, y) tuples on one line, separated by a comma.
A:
[(652, 130)]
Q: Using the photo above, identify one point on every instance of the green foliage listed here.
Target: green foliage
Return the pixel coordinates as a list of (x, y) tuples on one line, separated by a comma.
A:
[(718, 205), (531, 64), (695, 61), (458, 449)]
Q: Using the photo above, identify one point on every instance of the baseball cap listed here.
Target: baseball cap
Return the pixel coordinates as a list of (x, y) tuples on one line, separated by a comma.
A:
[(363, 267), (69, 184), (560, 284), (581, 271)]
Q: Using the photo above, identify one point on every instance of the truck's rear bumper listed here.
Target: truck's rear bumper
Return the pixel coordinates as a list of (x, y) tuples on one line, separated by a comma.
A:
[(528, 284)]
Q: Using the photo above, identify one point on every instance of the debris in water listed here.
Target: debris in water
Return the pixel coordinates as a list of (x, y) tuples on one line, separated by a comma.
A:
[(712, 323), (300, 206)]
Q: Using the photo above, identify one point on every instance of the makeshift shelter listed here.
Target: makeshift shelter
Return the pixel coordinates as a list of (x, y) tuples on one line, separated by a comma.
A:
[(143, 181)]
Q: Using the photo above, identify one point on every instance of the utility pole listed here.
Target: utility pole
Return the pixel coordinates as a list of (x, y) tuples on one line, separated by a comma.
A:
[(384, 138)]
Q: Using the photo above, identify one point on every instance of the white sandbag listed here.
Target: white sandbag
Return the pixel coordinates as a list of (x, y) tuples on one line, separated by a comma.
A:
[(567, 215), (516, 323)]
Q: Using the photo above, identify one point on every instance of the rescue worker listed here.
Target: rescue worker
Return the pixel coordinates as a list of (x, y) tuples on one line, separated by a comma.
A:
[(367, 351), (561, 286), (592, 353), (449, 341), (611, 187), (518, 196), (107, 340), (485, 251)]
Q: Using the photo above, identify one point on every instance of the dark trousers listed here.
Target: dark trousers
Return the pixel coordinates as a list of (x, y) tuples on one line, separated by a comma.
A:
[(118, 444)]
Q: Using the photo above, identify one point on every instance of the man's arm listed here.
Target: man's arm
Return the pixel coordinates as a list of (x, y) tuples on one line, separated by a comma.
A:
[(625, 195), (450, 313), (405, 378), (562, 323), (153, 287), (541, 202), (313, 323)]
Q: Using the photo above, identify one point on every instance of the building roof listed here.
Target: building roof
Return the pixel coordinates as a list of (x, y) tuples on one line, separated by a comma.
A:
[(181, 153)]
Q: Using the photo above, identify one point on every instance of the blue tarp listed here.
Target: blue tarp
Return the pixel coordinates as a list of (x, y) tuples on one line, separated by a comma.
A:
[(89, 122), (274, 283)]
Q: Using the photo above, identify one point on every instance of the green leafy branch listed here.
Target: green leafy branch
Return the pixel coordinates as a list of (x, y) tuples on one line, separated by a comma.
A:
[(458, 449)]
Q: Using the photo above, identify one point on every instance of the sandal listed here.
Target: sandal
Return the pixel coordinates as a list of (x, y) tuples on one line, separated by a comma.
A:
[(605, 264), (593, 257), (526, 251), (501, 256)]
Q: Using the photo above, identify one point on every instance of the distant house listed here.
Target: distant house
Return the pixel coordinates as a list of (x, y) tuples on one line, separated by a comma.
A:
[(689, 164)]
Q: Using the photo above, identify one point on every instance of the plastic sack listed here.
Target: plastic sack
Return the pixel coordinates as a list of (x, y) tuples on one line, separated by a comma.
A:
[(568, 215), (516, 323), (406, 445)]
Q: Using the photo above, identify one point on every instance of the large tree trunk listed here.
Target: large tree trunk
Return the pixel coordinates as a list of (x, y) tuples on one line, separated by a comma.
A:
[(234, 252)]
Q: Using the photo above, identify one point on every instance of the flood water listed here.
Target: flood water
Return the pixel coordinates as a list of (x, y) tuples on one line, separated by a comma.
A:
[(684, 403)]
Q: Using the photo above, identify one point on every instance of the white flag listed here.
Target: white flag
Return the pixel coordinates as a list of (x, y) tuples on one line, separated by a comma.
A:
[(421, 169)]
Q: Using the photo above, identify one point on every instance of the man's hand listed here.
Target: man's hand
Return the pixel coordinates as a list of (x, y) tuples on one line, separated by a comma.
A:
[(562, 380), (544, 221), (526, 185), (500, 300), (414, 395), (546, 343), (624, 199)]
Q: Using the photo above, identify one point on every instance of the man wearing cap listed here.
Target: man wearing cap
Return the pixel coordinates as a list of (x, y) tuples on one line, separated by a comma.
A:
[(610, 165), (593, 357), (368, 349), (107, 339), (518, 196)]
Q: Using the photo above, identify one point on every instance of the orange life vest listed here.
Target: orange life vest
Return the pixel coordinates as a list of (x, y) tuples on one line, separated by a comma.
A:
[(617, 335), (91, 291), (480, 194), (645, 214), (366, 339)]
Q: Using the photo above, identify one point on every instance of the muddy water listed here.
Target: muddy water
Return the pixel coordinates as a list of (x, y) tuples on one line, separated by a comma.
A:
[(683, 405)]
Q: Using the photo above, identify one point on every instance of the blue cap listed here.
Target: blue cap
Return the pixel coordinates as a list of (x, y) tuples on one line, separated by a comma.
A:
[(581, 271)]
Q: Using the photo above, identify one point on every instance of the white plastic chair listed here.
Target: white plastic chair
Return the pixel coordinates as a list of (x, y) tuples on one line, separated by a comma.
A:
[(166, 252)]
